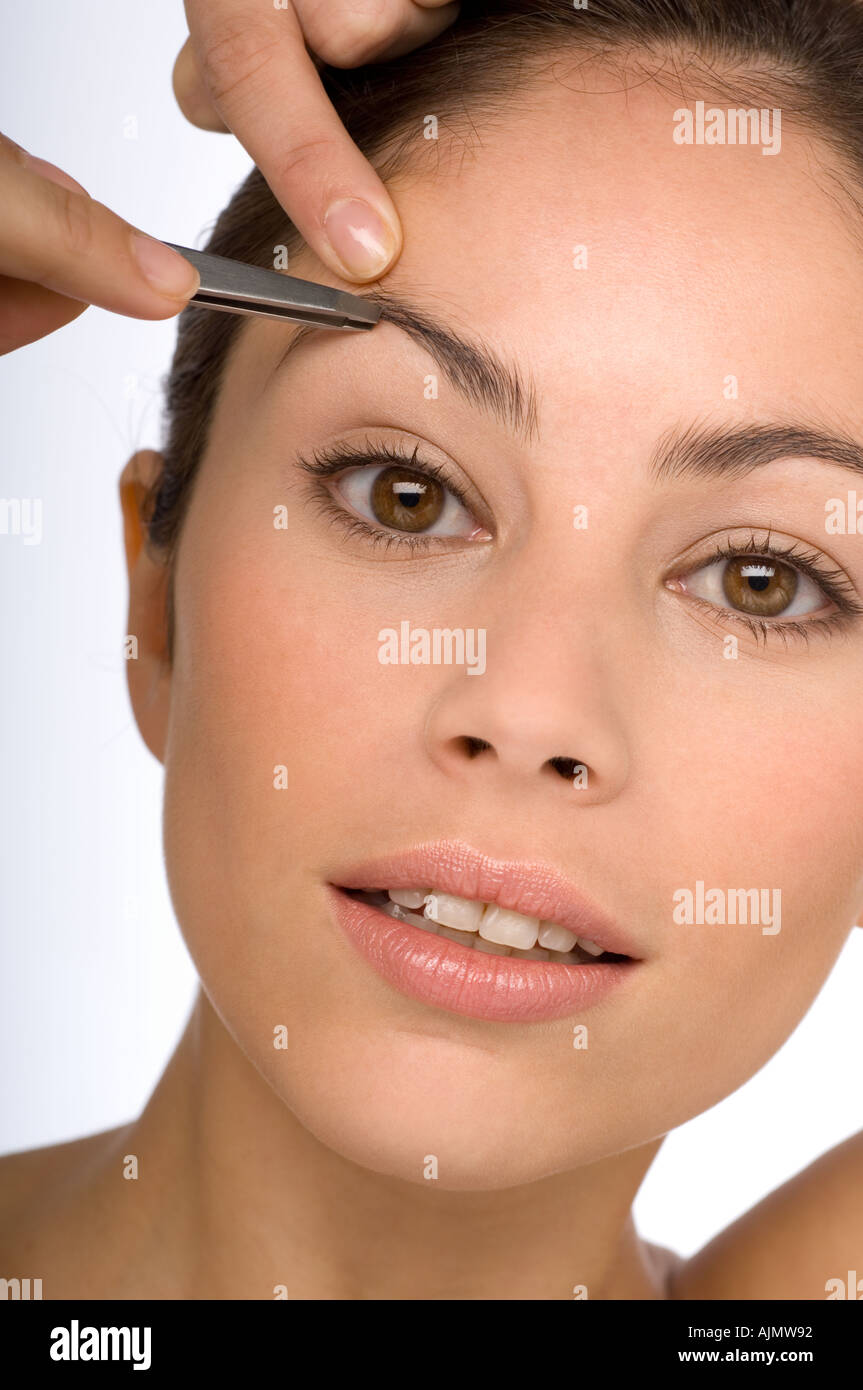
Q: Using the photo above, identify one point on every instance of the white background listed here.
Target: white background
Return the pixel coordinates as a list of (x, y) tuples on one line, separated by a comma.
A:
[(95, 982)]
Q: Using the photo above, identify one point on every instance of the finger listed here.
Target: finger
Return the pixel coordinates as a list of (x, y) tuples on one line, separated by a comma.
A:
[(266, 87), (324, 37), (39, 166), (53, 234), (368, 30), (29, 312), (191, 92)]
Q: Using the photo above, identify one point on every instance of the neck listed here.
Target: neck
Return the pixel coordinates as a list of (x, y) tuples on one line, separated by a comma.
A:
[(250, 1203)]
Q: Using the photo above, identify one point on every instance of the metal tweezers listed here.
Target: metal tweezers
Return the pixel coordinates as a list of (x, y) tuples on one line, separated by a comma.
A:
[(239, 288)]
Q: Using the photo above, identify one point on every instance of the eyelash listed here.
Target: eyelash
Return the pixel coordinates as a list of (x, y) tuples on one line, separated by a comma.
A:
[(832, 582), (326, 463)]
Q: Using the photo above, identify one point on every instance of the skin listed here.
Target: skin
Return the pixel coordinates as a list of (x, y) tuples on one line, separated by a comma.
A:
[(304, 1167)]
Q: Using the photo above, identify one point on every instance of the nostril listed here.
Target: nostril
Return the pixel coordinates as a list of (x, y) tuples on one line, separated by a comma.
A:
[(473, 746), (567, 767)]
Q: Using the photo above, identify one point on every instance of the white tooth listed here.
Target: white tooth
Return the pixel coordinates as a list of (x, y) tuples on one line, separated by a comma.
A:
[(401, 915), (564, 957), (556, 938), (491, 948), (590, 947), (508, 928), (408, 897), (450, 911), (464, 938)]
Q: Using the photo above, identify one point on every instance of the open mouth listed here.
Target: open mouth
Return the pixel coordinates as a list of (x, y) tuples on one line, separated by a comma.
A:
[(485, 927)]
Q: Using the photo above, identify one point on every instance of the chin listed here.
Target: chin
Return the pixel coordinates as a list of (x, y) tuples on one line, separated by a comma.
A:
[(461, 1160), (459, 1125)]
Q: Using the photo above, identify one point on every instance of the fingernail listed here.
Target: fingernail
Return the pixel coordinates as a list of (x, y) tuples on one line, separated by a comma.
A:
[(168, 271), (360, 238)]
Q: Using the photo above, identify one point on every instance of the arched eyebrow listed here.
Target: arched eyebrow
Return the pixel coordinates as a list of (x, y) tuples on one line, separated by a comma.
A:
[(476, 371), (695, 450), (719, 451)]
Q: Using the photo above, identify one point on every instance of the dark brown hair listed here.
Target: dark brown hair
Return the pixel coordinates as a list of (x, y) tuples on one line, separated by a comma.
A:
[(804, 55)]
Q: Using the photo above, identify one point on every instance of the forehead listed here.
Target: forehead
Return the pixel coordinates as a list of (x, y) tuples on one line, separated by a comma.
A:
[(573, 231)]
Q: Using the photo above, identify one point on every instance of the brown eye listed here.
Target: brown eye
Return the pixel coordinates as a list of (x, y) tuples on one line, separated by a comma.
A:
[(406, 500), (757, 586), (764, 587)]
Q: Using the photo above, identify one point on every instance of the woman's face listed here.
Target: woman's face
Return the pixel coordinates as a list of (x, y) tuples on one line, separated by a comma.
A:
[(714, 704)]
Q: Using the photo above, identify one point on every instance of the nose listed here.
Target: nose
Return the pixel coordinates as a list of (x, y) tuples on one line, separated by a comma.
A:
[(539, 715)]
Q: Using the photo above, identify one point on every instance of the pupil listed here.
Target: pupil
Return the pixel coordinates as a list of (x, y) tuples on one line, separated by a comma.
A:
[(759, 582), (406, 499)]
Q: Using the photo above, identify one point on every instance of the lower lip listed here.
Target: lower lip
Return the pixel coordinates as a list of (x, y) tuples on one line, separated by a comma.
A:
[(440, 972)]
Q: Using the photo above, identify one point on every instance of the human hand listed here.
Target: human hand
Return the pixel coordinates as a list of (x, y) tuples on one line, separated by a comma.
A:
[(249, 66), (60, 250)]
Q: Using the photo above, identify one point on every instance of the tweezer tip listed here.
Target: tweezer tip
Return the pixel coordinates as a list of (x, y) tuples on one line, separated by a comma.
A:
[(366, 317)]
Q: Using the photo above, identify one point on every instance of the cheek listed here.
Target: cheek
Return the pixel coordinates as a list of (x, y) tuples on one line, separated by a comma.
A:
[(771, 788), (279, 755), (765, 794), (275, 709)]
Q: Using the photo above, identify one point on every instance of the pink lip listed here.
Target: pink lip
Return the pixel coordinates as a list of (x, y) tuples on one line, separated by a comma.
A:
[(445, 974), (536, 890)]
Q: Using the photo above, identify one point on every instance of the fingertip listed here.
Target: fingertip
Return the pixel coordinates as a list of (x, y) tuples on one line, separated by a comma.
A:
[(191, 94), (363, 245), (163, 268)]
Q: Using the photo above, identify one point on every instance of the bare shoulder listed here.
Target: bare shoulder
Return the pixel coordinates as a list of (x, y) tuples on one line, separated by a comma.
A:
[(35, 1182), (801, 1241)]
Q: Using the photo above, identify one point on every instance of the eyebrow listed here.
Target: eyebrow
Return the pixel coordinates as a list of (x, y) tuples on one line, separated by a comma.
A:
[(698, 450), (704, 451), (474, 369)]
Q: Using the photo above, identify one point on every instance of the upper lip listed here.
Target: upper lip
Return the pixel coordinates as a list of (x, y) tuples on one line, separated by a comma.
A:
[(534, 889)]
